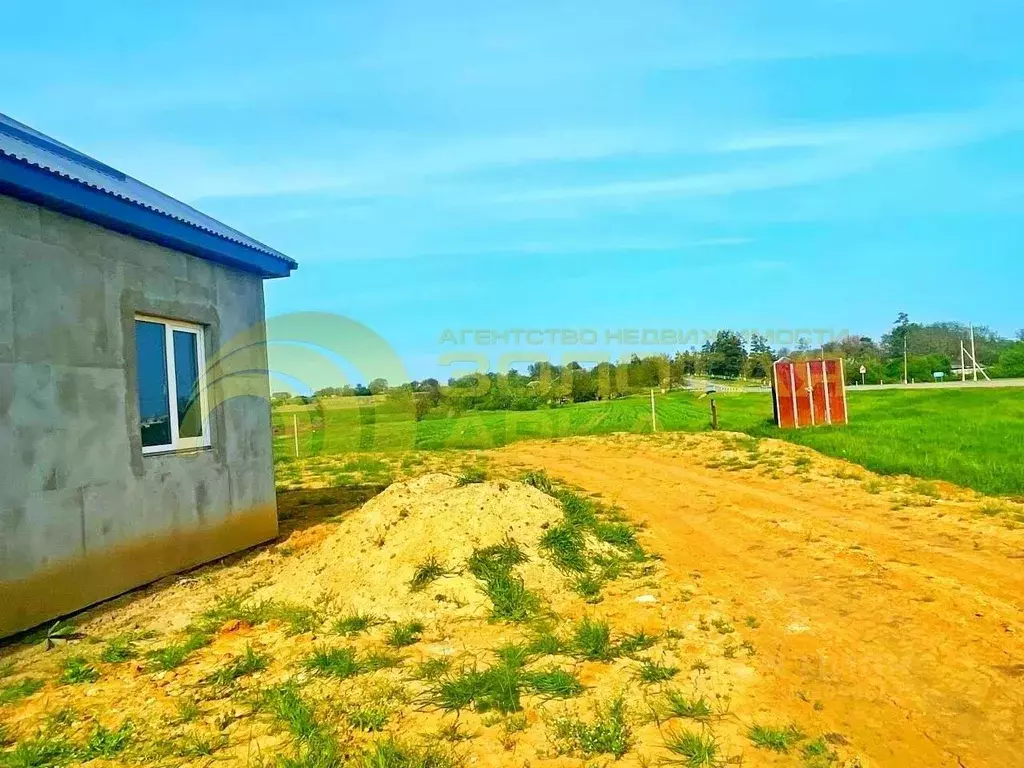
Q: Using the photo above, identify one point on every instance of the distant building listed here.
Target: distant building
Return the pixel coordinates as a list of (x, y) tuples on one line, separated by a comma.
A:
[(122, 456)]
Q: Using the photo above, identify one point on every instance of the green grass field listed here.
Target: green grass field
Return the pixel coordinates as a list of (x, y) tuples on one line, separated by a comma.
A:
[(970, 437)]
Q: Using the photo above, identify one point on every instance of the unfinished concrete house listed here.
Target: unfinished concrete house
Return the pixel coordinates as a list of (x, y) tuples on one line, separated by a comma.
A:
[(135, 434)]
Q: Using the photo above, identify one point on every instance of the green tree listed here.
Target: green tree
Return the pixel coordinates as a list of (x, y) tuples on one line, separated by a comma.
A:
[(895, 340), (726, 355), (759, 363), (1011, 362)]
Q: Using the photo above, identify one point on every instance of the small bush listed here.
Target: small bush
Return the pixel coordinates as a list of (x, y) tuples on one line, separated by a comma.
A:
[(510, 599), (818, 754), (619, 535), (578, 511), (299, 619)]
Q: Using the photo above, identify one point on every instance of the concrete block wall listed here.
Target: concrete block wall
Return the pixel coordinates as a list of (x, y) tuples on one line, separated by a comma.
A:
[(83, 514)]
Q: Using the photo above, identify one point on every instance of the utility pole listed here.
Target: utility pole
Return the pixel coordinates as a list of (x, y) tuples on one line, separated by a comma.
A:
[(654, 421), (963, 363), (974, 357), (905, 379)]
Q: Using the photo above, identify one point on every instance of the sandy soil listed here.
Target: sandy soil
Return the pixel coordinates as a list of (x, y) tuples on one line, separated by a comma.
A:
[(890, 610), (882, 615)]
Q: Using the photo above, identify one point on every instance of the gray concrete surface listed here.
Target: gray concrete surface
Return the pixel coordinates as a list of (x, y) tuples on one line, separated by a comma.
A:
[(83, 514)]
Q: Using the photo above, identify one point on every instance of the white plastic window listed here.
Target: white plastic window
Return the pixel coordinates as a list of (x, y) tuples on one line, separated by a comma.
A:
[(173, 410)]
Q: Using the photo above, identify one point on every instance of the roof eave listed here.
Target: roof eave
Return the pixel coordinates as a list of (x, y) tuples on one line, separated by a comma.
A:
[(32, 184)]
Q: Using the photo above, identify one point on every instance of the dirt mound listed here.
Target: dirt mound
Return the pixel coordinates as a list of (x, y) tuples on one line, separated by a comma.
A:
[(370, 557)]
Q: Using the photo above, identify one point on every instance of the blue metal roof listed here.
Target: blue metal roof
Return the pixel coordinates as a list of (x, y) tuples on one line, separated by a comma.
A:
[(42, 170)]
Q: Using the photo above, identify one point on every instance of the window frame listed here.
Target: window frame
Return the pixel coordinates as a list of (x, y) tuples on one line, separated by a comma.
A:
[(179, 443)]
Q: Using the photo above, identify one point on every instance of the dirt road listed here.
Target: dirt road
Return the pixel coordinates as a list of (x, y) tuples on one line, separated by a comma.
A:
[(894, 608)]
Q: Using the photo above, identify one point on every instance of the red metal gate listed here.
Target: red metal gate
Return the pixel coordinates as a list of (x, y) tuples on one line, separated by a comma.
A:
[(809, 393)]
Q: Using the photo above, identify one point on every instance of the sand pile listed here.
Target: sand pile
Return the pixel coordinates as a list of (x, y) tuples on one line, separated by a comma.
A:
[(366, 562)]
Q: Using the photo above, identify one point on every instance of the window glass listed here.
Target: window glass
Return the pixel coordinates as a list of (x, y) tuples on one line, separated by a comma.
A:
[(154, 405), (186, 381)]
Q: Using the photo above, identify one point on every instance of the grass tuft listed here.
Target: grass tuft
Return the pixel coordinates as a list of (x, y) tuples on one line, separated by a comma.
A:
[(608, 734), (497, 558), (43, 751), (119, 650), (76, 669), (390, 753), (427, 572), (540, 481), (432, 669), (545, 643), (372, 719), (248, 663), (174, 655), (564, 545), (404, 634), (510, 599), (697, 749), (774, 739), (339, 663), (22, 689), (356, 623), (515, 655), (636, 642), (592, 640), (495, 688), (655, 672), (471, 476), (677, 704), (106, 744), (553, 683), (378, 660)]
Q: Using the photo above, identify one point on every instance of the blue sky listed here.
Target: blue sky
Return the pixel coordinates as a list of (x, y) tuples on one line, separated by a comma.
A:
[(588, 164)]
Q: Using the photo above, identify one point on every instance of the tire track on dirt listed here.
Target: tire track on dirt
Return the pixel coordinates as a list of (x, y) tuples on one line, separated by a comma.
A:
[(901, 628)]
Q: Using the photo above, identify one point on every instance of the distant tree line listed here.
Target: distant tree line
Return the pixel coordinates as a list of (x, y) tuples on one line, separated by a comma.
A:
[(930, 349)]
